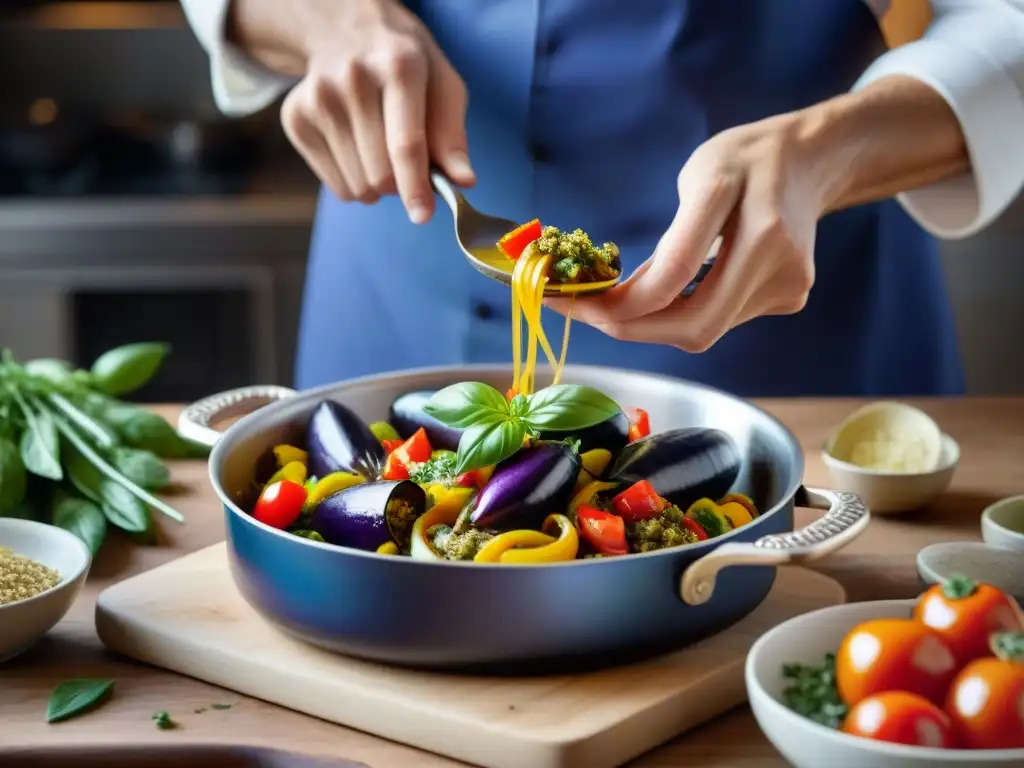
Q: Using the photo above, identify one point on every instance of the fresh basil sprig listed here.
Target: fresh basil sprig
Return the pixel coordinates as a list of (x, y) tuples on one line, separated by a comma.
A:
[(495, 428)]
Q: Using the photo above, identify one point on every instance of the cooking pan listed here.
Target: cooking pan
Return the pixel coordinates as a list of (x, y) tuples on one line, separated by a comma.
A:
[(515, 618)]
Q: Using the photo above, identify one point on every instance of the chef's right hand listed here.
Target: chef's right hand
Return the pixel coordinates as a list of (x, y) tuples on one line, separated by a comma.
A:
[(378, 103)]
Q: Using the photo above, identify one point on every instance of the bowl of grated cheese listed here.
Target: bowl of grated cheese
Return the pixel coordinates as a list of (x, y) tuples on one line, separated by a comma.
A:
[(42, 569), (894, 456)]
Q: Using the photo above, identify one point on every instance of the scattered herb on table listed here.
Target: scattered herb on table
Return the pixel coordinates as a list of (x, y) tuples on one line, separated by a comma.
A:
[(223, 706), (811, 691), (74, 455), (73, 697), (163, 720)]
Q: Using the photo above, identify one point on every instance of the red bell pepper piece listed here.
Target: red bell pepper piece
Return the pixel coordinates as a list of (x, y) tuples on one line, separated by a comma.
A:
[(603, 531), (280, 504), (514, 243), (415, 450), (469, 479), (693, 525), (639, 502), (639, 424), (395, 468), (390, 445)]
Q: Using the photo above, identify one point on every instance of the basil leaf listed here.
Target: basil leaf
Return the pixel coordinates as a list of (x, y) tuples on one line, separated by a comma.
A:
[(72, 697), (83, 475), (40, 445), (466, 404), (124, 369), (141, 467), (123, 508), (82, 518), (99, 433), (51, 369), (488, 443), (146, 431), (13, 481), (568, 406)]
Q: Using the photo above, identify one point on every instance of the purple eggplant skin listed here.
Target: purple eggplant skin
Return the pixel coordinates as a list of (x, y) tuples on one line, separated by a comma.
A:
[(361, 517), (611, 434), (528, 486), (339, 441), (406, 415), (683, 465)]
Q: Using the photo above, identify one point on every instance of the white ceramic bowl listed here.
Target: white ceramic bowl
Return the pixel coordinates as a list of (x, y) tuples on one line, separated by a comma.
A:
[(892, 492), (806, 639), (24, 622), (1001, 567), (1002, 524)]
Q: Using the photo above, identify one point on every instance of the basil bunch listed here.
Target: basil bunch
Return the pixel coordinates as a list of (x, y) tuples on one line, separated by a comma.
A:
[(74, 455), (495, 428)]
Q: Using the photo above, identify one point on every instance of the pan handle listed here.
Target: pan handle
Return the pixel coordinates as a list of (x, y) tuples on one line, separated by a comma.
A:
[(845, 519), (196, 421)]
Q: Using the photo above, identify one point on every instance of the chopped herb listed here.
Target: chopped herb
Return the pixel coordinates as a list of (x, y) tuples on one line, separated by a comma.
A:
[(199, 710), (437, 469), (812, 692), (223, 706), (576, 259), (163, 720)]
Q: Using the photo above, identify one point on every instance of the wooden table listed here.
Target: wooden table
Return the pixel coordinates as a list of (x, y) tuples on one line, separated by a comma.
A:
[(879, 565)]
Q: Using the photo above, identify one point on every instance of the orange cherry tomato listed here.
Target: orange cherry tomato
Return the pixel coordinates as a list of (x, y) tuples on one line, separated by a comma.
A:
[(966, 614), (901, 718), (893, 655), (280, 504), (986, 700)]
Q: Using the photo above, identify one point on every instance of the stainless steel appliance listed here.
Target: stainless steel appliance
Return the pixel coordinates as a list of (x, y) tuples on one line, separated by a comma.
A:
[(131, 210)]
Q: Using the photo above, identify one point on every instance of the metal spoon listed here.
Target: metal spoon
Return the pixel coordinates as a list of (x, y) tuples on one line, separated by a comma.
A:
[(478, 234)]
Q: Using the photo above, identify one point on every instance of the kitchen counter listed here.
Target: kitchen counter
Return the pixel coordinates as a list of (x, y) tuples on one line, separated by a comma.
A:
[(879, 565)]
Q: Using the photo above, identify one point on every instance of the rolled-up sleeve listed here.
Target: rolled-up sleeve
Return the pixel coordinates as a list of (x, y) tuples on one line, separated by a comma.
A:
[(973, 55), (240, 85)]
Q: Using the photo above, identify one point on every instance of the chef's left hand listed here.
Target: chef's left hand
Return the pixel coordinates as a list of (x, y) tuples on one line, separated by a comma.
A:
[(763, 190)]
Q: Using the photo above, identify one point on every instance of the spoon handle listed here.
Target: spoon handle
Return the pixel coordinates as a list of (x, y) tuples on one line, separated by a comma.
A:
[(444, 187)]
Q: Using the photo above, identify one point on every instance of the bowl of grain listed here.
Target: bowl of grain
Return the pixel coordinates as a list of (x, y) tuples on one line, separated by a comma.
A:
[(42, 569)]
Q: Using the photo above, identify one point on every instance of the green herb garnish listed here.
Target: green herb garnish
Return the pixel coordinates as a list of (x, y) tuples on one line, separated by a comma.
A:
[(73, 697), (74, 455), (438, 469), (812, 692), (222, 706), (163, 720), (495, 428)]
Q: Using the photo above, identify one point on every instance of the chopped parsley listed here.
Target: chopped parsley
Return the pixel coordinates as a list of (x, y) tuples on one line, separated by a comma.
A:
[(163, 720), (440, 468), (576, 259), (811, 691)]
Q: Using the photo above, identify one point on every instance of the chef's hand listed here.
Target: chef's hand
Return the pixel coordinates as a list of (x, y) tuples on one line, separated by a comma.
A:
[(378, 101), (753, 186), (763, 187)]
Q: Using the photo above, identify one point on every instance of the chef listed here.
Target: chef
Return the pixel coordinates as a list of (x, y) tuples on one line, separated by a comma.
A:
[(828, 165)]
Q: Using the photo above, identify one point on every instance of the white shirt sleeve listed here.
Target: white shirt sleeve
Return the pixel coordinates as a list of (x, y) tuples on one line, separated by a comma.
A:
[(973, 55), (240, 85)]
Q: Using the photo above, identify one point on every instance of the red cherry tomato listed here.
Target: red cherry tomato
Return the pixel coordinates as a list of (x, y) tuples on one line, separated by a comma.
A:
[(639, 424), (901, 718), (966, 614), (639, 502), (986, 700), (603, 531), (280, 504), (893, 655)]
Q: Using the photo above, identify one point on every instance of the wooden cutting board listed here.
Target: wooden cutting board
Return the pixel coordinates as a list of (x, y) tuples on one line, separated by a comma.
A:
[(186, 616)]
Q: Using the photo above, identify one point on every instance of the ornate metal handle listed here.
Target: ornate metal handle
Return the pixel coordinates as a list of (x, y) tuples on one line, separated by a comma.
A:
[(196, 421), (845, 519)]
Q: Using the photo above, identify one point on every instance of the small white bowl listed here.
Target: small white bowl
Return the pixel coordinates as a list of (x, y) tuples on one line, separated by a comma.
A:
[(1002, 524), (893, 492), (1002, 568), (805, 640), (24, 622)]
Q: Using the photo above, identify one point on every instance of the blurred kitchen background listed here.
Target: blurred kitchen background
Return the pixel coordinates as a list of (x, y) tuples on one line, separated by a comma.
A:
[(131, 210)]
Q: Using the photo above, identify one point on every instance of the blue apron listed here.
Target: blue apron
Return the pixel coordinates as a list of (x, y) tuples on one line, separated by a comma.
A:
[(581, 113)]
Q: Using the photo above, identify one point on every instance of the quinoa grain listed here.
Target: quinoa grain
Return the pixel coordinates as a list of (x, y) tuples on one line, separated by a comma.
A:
[(21, 578)]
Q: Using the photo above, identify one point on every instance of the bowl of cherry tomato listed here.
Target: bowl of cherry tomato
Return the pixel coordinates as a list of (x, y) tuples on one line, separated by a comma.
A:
[(896, 683)]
